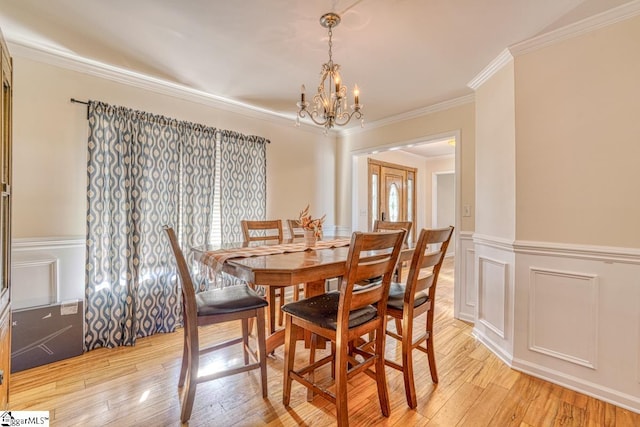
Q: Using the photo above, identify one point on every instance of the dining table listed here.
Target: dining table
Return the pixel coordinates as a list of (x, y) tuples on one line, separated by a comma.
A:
[(288, 263)]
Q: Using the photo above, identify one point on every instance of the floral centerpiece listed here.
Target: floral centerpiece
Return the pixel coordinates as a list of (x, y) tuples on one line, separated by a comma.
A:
[(310, 224)]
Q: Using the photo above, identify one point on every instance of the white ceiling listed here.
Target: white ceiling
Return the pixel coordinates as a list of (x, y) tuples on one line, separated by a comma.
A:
[(405, 55)]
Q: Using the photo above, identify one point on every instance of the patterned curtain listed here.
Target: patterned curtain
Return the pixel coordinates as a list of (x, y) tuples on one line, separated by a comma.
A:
[(243, 182), (144, 171)]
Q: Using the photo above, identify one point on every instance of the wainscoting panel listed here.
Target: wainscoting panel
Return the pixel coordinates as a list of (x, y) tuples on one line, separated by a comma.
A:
[(47, 270), (35, 282), (577, 318), (492, 294), (465, 291), (563, 315)]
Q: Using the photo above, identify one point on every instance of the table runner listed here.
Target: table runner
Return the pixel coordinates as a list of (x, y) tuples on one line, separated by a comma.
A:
[(215, 259)]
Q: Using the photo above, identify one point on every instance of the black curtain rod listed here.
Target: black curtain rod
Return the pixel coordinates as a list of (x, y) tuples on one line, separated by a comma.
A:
[(76, 101)]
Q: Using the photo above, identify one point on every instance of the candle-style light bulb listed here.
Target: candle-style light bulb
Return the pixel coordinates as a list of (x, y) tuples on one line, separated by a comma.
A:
[(356, 94), (337, 80), (302, 90)]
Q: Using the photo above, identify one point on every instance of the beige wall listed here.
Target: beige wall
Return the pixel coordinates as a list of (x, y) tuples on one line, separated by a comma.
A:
[(578, 128), (495, 156), (50, 139), (460, 118)]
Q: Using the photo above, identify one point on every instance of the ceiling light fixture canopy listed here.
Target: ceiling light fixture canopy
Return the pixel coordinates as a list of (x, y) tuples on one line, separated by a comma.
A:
[(329, 107)]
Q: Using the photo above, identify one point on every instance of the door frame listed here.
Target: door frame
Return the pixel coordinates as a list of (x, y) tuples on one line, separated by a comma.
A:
[(407, 169)]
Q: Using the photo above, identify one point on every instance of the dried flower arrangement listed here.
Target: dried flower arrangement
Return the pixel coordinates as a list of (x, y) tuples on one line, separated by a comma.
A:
[(309, 223)]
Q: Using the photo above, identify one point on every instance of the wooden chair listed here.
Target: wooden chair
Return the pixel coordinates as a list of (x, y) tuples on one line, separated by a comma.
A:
[(380, 225), (212, 307), (261, 230), (406, 302), (295, 230), (265, 231), (342, 317)]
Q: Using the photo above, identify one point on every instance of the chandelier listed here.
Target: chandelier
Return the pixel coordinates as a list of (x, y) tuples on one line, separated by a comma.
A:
[(329, 106)]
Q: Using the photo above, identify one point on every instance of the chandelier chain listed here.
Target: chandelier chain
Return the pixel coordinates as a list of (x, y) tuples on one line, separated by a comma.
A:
[(330, 44)]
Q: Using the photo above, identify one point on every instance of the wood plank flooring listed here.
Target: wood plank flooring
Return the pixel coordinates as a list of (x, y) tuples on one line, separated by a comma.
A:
[(137, 386)]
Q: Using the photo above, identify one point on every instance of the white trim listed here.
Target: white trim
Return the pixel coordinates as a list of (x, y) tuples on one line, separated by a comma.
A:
[(31, 243), (592, 23), (586, 252), (494, 66), (498, 351), (580, 385), (70, 61), (420, 112), (492, 241), (410, 142)]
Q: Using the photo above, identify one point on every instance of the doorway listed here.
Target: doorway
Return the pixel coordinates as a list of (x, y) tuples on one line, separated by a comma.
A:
[(444, 203), (392, 192)]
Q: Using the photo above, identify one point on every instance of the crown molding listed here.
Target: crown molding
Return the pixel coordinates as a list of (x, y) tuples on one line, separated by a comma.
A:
[(70, 61), (441, 106), (494, 66), (609, 17), (584, 26)]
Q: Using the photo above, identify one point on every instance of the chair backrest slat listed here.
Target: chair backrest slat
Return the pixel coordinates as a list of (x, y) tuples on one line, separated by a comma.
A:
[(254, 231)]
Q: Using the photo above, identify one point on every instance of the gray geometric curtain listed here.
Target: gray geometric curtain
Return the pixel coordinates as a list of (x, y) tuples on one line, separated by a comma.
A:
[(243, 182), (144, 171)]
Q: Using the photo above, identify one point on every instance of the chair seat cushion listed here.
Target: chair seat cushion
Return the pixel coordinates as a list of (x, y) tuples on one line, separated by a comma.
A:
[(228, 300), (396, 297), (322, 310)]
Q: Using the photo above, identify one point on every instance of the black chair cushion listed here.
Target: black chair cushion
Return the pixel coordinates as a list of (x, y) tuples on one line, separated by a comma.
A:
[(228, 300), (322, 310), (396, 297)]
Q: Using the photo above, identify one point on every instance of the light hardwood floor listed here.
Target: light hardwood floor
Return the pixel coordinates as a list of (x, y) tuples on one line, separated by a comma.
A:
[(131, 386)]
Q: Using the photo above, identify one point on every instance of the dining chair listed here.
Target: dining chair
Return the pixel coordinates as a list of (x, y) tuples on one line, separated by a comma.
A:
[(209, 308), (295, 229), (342, 317), (265, 231), (261, 230), (416, 297), (380, 225)]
